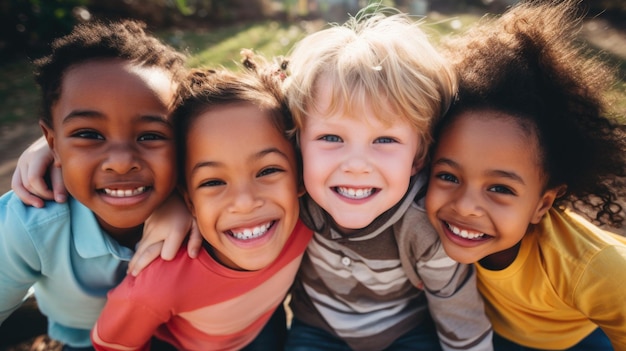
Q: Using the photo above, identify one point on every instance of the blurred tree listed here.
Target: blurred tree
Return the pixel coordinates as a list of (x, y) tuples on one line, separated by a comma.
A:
[(27, 25)]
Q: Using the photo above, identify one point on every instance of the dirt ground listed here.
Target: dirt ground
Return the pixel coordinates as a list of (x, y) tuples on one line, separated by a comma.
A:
[(15, 138)]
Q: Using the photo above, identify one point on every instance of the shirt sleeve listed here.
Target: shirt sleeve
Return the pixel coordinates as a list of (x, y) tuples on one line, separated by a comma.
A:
[(450, 287), (127, 321), (600, 295), (455, 304), (20, 262)]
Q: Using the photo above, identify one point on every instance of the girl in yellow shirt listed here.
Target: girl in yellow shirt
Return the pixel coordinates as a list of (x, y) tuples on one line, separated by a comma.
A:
[(529, 135)]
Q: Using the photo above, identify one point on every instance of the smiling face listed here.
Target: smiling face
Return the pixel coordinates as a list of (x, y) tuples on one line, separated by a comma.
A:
[(113, 140), (486, 185), (355, 166), (242, 188)]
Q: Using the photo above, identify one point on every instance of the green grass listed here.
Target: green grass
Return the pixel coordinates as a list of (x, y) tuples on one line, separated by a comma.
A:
[(215, 47), (221, 47)]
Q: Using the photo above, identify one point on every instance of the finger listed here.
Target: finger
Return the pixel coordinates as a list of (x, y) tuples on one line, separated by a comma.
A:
[(171, 245), (35, 182), (195, 241), (18, 188), (142, 258), (58, 187)]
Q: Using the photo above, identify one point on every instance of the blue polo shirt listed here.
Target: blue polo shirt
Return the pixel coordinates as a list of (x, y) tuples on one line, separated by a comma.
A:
[(62, 252)]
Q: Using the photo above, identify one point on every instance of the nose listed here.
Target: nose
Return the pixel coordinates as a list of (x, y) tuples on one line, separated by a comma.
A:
[(121, 158), (468, 202), (357, 160), (245, 198)]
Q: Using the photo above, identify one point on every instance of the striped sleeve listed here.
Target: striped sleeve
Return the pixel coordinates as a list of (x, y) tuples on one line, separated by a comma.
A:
[(453, 298)]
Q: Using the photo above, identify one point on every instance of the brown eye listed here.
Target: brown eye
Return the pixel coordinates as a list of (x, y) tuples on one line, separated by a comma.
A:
[(501, 189)]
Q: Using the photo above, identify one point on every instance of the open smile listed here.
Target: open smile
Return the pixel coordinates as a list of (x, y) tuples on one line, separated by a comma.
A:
[(466, 233), (252, 232), (355, 193), (125, 192)]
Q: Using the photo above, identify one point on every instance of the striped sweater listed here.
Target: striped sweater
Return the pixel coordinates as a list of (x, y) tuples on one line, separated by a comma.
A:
[(371, 287)]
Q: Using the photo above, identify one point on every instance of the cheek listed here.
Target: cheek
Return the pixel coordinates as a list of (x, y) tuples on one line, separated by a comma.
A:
[(435, 200), (398, 171), (204, 212), (313, 168)]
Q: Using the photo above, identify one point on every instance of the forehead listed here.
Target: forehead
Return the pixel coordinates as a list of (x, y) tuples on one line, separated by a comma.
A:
[(492, 135), (100, 81), (332, 102), (102, 71), (114, 89), (236, 125)]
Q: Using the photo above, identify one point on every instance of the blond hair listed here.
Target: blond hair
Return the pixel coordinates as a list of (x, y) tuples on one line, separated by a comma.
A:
[(373, 60)]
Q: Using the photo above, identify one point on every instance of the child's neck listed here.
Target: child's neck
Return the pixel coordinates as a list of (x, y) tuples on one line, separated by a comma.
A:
[(211, 251), (128, 237), (500, 260)]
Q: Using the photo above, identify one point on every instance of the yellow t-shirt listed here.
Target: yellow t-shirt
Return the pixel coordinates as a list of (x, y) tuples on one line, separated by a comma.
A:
[(568, 278)]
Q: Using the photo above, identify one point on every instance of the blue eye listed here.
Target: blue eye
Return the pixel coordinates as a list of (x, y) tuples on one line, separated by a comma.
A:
[(331, 138), (384, 140)]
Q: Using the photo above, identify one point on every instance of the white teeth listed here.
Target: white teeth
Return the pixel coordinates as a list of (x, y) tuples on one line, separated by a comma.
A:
[(465, 233), (252, 233), (355, 193), (125, 193)]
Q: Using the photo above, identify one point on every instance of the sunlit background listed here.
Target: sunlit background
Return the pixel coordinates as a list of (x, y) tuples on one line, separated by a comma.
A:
[(213, 32)]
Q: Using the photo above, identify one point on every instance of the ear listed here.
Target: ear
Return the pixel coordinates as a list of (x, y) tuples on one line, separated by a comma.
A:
[(301, 190), (545, 203), (416, 167), (48, 133), (183, 190)]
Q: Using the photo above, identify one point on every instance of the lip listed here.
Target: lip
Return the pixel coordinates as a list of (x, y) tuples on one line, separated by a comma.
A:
[(461, 241)]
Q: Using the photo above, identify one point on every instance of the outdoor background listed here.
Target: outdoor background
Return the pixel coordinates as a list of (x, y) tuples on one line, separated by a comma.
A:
[(213, 32)]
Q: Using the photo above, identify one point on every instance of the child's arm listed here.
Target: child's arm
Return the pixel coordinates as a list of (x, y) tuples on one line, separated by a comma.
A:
[(28, 181), (450, 287), (455, 303), (19, 259), (164, 233), (599, 292), (458, 306), (127, 322)]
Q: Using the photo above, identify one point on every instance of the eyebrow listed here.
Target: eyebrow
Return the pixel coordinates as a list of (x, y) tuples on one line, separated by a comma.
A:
[(256, 156), (92, 114), (492, 173)]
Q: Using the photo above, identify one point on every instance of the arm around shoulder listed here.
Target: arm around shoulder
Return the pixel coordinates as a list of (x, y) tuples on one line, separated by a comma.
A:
[(450, 287), (126, 322)]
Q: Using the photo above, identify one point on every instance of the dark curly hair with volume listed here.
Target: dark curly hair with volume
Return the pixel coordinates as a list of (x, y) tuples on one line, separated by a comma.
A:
[(529, 64), (125, 39)]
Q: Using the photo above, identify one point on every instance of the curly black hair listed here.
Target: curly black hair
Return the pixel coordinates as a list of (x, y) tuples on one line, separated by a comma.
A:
[(529, 64), (125, 39)]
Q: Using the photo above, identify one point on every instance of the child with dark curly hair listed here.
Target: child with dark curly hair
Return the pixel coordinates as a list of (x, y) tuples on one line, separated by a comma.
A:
[(107, 91), (529, 135)]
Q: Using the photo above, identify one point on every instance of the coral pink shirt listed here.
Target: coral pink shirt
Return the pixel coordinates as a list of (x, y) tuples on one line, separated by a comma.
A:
[(197, 304)]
